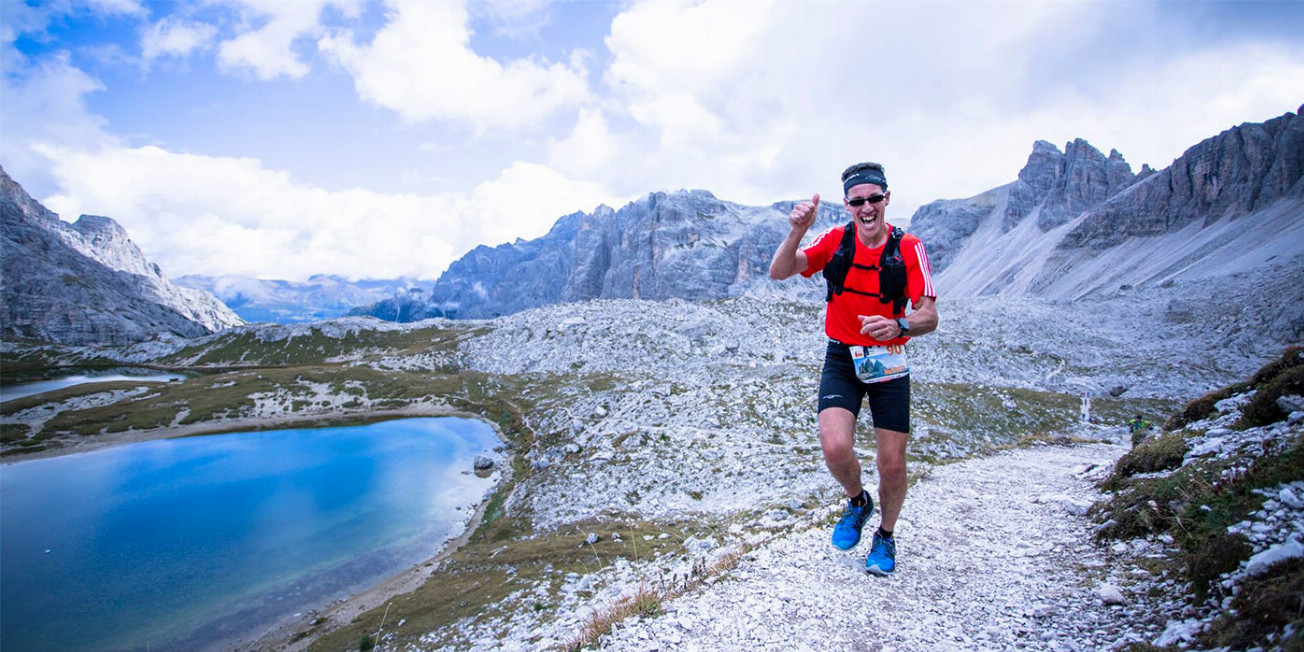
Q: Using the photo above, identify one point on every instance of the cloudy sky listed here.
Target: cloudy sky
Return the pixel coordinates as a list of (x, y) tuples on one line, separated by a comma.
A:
[(378, 139)]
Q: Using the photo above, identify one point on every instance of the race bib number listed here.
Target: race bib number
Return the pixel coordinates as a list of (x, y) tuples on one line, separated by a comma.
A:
[(875, 364)]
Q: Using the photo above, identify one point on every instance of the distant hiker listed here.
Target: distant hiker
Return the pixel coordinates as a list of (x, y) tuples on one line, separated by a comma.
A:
[(1140, 428), (871, 269), (1086, 408)]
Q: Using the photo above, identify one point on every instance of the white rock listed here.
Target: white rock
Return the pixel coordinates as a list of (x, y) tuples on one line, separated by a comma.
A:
[(1209, 447), (1292, 403), (1280, 552), (1110, 595), (1178, 631), (1288, 496)]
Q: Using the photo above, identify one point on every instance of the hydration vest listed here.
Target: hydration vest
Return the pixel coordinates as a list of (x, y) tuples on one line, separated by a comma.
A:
[(891, 269)]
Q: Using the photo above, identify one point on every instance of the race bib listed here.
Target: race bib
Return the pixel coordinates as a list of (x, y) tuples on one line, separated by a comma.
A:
[(875, 364)]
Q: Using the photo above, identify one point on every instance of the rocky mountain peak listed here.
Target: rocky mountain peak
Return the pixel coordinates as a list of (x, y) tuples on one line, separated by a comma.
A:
[(12, 193), (88, 283), (105, 240), (1240, 171), (686, 244), (1064, 184), (1079, 222)]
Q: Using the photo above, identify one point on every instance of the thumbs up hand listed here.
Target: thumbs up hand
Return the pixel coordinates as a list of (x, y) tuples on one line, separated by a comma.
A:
[(803, 215)]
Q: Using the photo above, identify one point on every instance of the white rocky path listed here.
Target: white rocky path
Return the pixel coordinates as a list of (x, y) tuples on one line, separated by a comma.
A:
[(994, 554)]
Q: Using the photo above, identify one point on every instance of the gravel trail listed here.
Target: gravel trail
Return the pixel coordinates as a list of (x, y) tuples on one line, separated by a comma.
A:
[(993, 554)]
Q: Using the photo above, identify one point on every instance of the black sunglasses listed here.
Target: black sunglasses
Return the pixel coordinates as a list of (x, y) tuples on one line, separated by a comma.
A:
[(860, 201)]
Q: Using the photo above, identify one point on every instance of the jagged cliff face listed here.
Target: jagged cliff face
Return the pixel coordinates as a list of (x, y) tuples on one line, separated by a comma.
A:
[(685, 245), (1238, 172), (87, 282), (1077, 222)]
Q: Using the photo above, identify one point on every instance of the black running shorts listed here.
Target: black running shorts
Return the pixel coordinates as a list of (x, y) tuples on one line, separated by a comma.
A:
[(889, 401)]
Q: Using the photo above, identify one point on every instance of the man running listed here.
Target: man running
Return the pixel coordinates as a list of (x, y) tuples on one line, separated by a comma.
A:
[(866, 356)]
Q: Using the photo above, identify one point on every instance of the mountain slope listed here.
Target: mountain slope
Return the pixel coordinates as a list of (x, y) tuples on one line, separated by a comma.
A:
[(1077, 223), (88, 283)]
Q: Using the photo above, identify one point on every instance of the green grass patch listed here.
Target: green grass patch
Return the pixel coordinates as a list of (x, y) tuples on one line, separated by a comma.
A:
[(1283, 377), (1160, 453)]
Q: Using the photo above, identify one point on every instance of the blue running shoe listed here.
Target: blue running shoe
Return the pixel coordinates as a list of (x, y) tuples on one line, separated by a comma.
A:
[(846, 534), (882, 557)]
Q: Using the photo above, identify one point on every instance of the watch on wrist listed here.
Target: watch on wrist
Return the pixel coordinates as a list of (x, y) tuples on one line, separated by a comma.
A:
[(903, 325)]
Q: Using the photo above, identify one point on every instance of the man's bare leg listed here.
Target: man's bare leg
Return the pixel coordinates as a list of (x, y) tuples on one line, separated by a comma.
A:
[(838, 437), (892, 481)]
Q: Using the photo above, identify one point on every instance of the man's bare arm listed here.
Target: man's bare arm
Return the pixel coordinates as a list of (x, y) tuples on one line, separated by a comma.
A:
[(789, 259)]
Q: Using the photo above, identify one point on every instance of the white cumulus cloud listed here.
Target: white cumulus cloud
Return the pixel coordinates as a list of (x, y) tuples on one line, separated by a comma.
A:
[(196, 214), (421, 66), (174, 37)]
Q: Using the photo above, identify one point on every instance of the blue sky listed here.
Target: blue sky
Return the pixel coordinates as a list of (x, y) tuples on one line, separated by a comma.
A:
[(369, 139)]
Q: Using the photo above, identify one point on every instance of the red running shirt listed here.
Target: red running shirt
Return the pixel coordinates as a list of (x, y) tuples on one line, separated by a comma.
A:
[(840, 319)]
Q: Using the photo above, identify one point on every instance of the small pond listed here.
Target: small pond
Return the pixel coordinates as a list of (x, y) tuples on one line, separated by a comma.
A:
[(179, 544), (60, 381)]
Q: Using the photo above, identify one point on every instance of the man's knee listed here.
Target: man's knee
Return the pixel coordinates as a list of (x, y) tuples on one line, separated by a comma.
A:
[(837, 432), (891, 457)]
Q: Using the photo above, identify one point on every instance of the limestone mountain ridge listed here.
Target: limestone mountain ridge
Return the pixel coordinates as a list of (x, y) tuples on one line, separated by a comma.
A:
[(88, 283)]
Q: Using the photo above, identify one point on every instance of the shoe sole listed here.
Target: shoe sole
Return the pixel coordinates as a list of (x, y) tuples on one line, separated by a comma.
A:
[(874, 570)]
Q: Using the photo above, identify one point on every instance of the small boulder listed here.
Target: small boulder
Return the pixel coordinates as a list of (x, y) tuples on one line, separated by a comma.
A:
[(1110, 595), (483, 463), (1278, 553), (1292, 403)]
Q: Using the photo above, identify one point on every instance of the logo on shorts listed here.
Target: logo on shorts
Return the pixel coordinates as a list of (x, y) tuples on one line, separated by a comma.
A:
[(830, 397)]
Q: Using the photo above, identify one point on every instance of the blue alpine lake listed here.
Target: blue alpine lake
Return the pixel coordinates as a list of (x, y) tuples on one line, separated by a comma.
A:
[(181, 543)]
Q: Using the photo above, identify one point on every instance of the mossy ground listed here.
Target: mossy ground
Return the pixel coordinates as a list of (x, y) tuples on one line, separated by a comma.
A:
[(1198, 502)]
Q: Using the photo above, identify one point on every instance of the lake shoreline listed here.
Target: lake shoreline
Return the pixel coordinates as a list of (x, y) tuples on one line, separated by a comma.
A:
[(285, 634), (245, 424), (333, 611)]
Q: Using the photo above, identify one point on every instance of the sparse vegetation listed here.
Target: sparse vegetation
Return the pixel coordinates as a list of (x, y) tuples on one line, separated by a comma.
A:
[(502, 558), (1197, 503), (1266, 604)]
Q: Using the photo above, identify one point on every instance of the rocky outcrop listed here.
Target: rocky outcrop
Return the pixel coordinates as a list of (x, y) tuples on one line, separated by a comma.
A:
[(1035, 181), (1079, 222), (683, 245), (1053, 188), (945, 225), (1240, 171), (1063, 185), (88, 283)]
